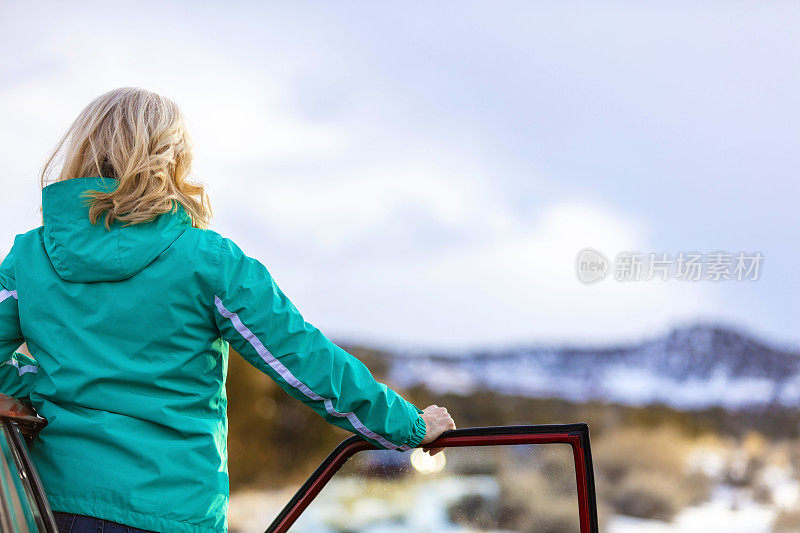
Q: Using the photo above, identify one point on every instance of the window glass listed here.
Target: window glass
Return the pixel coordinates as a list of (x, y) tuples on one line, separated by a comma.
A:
[(520, 487), (17, 497)]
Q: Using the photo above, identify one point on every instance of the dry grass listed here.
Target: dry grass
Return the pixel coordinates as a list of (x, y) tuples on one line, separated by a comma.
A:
[(787, 522), (643, 472)]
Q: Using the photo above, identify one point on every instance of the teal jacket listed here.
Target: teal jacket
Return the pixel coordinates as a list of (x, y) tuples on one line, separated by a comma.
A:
[(129, 331)]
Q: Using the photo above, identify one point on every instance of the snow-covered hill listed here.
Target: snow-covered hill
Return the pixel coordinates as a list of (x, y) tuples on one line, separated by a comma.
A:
[(691, 367)]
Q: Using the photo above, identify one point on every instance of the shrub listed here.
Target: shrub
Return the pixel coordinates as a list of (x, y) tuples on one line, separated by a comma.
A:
[(648, 495), (787, 522)]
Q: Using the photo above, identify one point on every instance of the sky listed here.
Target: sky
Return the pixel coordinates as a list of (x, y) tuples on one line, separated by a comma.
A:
[(424, 175)]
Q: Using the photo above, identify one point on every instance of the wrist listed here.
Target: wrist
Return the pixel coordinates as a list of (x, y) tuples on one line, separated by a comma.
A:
[(418, 432)]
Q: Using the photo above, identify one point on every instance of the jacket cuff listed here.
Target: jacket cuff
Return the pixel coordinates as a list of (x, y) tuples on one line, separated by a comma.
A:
[(417, 432)]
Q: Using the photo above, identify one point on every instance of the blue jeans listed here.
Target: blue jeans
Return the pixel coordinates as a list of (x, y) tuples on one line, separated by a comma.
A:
[(75, 523)]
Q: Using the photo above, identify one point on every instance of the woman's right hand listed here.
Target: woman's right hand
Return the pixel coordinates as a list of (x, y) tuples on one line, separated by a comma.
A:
[(437, 421)]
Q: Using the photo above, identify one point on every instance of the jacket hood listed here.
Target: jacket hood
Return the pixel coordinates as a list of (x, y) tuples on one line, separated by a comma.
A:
[(84, 252)]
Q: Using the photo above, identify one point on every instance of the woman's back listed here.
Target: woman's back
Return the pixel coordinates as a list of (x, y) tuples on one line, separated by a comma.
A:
[(131, 366)]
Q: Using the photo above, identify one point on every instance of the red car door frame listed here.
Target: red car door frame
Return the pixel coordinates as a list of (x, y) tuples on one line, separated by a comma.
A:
[(576, 435)]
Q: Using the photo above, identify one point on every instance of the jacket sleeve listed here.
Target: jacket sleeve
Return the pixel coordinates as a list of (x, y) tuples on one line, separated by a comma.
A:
[(17, 371), (262, 325)]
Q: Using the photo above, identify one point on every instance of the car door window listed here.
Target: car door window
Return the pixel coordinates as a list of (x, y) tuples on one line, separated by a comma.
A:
[(18, 506), (505, 478), (523, 487)]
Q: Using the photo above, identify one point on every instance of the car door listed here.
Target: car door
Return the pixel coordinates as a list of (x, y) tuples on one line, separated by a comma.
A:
[(505, 478), (23, 503)]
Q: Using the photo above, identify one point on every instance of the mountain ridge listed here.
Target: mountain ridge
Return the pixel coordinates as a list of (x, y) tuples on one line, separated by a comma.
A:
[(700, 365)]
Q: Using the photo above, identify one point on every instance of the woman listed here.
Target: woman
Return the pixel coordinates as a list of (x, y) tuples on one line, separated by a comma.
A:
[(128, 306)]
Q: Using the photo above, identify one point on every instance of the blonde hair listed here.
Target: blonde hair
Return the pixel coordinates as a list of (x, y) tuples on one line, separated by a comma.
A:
[(139, 138)]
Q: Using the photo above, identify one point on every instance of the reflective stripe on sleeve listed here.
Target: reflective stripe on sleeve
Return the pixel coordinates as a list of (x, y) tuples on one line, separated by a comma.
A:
[(290, 378), (5, 295)]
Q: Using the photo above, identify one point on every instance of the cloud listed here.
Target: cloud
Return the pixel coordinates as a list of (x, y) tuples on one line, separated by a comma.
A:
[(516, 283), (430, 179)]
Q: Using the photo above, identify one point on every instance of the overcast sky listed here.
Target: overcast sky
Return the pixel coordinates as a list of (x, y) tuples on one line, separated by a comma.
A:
[(424, 175)]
